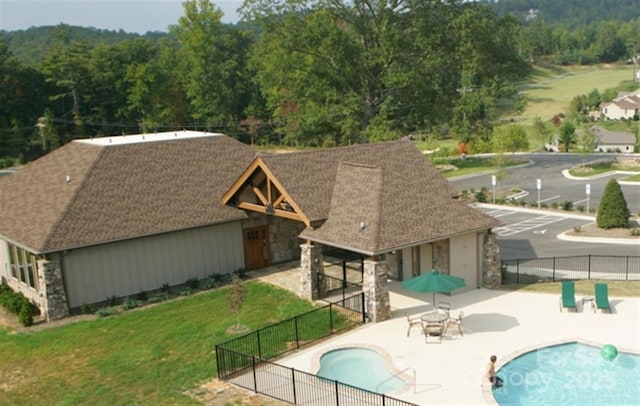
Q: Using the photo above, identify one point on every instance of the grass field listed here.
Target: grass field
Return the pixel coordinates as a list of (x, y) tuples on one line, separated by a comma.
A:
[(551, 89), (147, 356)]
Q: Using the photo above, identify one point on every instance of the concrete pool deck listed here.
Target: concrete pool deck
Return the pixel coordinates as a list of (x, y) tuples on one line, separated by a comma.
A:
[(495, 322)]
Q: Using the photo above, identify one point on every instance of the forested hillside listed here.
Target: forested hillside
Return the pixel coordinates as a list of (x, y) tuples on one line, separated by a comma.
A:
[(294, 73), (30, 46), (569, 13)]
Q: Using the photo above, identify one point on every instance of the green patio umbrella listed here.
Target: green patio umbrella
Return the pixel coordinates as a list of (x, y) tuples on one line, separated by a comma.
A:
[(433, 281)]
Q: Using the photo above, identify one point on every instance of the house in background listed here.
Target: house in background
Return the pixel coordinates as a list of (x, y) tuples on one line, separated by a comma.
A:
[(115, 216), (625, 106), (613, 141)]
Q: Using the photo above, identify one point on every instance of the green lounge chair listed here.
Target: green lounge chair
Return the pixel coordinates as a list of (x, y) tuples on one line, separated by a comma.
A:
[(601, 301), (568, 298)]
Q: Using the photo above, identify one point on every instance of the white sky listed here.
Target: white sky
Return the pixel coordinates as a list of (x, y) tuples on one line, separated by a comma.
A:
[(137, 16)]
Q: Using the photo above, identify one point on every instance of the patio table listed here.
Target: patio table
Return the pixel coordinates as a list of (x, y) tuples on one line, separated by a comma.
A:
[(434, 317)]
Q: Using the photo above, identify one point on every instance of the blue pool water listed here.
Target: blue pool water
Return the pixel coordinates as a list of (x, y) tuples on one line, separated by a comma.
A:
[(569, 374), (360, 367)]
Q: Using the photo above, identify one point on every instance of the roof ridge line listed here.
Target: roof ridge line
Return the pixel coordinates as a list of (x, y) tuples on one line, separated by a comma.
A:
[(72, 199)]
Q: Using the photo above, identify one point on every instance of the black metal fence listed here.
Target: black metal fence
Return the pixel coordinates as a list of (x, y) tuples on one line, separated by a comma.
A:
[(287, 335), (301, 388), (598, 267), (244, 360)]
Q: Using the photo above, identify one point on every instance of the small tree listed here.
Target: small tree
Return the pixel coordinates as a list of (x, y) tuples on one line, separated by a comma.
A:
[(237, 293), (613, 211), (567, 135)]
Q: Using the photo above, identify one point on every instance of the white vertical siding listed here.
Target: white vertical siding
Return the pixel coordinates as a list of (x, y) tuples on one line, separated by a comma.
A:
[(4, 260), (463, 258), (125, 268)]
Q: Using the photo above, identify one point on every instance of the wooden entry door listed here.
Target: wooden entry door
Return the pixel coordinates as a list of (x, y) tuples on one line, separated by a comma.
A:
[(256, 247)]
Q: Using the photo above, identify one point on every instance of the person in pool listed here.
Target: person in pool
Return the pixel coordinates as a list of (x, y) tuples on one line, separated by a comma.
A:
[(495, 380)]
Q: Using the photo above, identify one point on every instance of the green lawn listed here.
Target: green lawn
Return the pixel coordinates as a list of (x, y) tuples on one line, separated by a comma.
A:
[(552, 89), (147, 356), (603, 167), (473, 164)]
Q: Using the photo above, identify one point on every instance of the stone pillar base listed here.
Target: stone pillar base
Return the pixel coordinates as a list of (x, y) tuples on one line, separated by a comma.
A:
[(491, 272), (311, 269), (54, 298), (376, 290)]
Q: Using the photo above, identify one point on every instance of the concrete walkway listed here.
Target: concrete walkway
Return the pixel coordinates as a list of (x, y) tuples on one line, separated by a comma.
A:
[(495, 322)]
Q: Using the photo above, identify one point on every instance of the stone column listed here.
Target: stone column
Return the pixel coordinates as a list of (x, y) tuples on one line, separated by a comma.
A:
[(53, 295), (491, 275), (376, 290), (311, 268)]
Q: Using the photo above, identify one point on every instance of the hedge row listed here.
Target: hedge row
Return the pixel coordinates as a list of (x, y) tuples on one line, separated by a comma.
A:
[(16, 303)]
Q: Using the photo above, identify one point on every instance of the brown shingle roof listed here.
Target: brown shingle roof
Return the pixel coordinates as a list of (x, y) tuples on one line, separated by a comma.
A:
[(120, 192), (309, 177), (391, 187)]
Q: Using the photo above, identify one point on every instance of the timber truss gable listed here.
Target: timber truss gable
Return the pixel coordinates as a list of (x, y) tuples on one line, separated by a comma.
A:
[(258, 190)]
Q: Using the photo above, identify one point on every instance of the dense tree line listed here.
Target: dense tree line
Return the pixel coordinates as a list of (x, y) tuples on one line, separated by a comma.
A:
[(568, 13), (315, 72)]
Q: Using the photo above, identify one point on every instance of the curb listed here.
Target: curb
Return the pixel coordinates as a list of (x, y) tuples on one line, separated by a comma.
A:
[(619, 241)]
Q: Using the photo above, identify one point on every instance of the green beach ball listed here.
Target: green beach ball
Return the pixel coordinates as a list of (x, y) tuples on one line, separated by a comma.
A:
[(609, 352)]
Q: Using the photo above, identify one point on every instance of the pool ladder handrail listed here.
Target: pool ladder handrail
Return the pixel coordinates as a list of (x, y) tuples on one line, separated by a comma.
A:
[(396, 375)]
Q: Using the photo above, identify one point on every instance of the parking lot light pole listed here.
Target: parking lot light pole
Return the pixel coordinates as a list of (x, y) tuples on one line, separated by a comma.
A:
[(493, 185), (587, 189), (539, 187)]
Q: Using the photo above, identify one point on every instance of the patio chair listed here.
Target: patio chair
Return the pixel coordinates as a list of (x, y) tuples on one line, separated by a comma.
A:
[(413, 321), (457, 322), (444, 307), (433, 332), (568, 298), (601, 301)]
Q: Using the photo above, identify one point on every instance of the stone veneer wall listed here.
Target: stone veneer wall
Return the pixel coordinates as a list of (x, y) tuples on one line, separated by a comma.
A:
[(53, 301), (311, 267), (491, 272), (376, 290)]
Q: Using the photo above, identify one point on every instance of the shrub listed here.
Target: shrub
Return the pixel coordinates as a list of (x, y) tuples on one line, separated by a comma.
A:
[(186, 291), (113, 300), (141, 296), (635, 232), (481, 197), (567, 205), (209, 283), (554, 205), (129, 304), (25, 316), (16, 303), (86, 309), (159, 297), (193, 283), (581, 209), (613, 211), (240, 273), (165, 288), (107, 311)]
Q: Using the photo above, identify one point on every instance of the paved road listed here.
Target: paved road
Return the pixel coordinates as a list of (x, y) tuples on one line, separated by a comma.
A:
[(556, 187), (534, 235)]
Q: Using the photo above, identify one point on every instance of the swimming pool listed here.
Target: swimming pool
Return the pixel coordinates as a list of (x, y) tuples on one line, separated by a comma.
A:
[(569, 374), (360, 367)]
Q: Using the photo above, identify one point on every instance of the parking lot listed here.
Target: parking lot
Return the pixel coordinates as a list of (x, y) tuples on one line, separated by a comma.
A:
[(529, 233)]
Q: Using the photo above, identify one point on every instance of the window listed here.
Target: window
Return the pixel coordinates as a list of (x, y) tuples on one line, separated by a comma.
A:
[(23, 265)]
